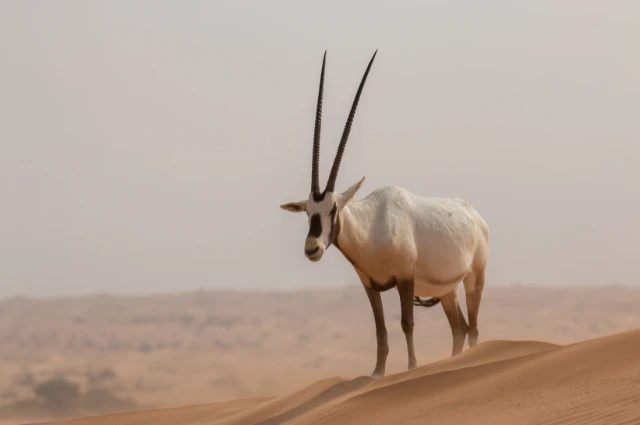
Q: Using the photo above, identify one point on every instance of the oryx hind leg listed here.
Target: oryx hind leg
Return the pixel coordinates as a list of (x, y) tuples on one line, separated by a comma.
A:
[(473, 286), (456, 320)]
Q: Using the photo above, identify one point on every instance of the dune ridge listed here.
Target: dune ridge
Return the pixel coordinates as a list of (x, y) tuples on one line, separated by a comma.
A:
[(497, 382)]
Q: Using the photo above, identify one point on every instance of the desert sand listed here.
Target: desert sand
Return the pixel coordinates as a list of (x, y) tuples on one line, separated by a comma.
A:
[(546, 356), (496, 382)]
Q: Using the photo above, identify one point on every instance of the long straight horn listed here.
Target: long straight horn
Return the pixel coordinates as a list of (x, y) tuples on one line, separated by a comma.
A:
[(315, 178), (331, 183)]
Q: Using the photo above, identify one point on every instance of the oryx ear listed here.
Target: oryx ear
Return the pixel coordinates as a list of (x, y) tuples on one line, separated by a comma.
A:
[(348, 194), (295, 206)]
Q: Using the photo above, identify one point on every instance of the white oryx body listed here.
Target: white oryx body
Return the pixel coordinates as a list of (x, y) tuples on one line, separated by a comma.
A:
[(395, 239), (394, 234)]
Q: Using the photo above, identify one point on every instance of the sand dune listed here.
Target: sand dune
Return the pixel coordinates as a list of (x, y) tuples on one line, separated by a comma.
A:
[(165, 351), (109, 354), (497, 382)]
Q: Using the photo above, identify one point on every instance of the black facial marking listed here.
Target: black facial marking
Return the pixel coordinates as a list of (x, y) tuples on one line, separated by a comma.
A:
[(315, 227)]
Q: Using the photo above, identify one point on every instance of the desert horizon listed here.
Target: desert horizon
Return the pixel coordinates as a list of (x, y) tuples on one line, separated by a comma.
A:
[(123, 353)]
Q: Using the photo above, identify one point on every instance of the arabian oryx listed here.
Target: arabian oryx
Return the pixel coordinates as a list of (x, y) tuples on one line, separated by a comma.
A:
[(424, 247)]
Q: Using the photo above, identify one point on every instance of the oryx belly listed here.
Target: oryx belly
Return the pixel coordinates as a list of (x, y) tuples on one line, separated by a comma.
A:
[(426, 289)]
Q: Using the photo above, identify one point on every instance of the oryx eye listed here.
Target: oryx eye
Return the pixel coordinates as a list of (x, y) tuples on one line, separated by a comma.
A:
[(334, 209)]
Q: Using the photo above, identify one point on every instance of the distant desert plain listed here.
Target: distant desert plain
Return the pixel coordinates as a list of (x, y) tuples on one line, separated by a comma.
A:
[(566, 355)]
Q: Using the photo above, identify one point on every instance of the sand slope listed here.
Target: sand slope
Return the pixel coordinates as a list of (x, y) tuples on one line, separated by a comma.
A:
[(172, 350), (496, 382)]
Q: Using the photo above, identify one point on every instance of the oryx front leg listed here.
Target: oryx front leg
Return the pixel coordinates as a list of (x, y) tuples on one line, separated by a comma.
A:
[(381, 331), (405, 289), (456, 320)]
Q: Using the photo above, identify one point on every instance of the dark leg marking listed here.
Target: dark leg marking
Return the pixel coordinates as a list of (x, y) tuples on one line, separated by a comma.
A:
[(381, 331), (405, 289)]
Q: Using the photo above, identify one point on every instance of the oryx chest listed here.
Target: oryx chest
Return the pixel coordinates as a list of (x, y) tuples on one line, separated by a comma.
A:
[(381, 268)]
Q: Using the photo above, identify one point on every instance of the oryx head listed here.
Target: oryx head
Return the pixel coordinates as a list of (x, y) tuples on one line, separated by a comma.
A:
[(324, 208)]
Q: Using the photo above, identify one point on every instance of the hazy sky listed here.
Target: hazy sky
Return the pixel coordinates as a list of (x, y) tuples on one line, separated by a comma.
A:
[(147, 145)]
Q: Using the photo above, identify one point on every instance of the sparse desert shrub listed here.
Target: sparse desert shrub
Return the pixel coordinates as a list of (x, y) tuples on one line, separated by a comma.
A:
[(225, 322), (144, 347), (57, 398), (107, 373), (98, 378), (8, 394), (58, 394)]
